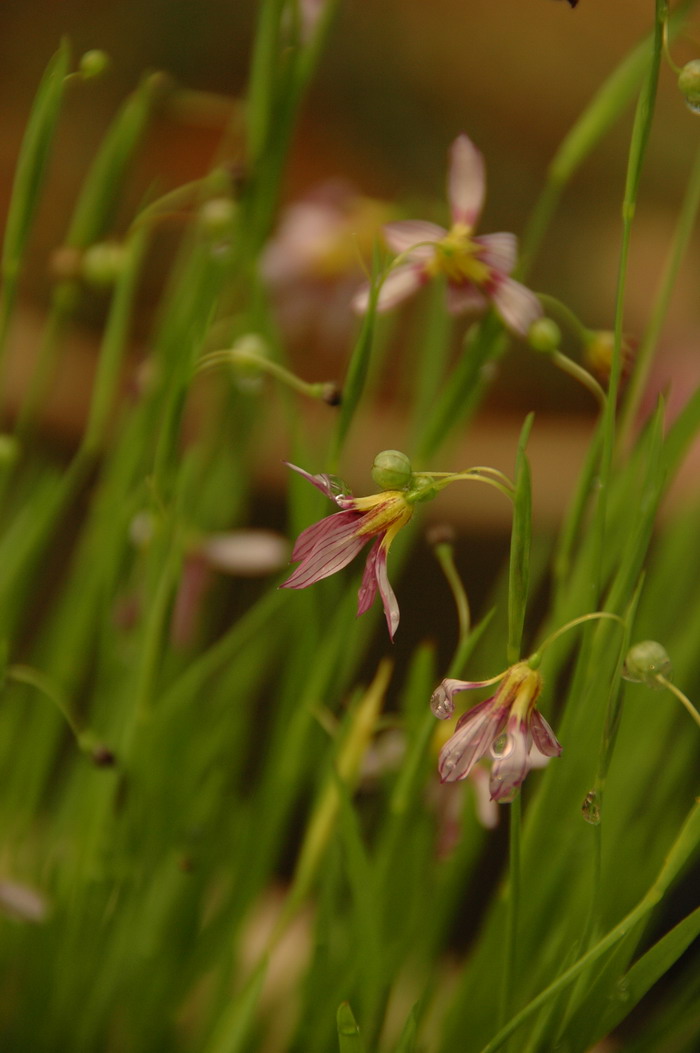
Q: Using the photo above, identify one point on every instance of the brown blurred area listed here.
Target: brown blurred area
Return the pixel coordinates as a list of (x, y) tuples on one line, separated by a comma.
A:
[(399, 80)]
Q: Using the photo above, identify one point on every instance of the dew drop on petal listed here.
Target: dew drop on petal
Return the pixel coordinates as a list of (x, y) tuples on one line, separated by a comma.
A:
[(502, 746), (590, 809), (441, 703)]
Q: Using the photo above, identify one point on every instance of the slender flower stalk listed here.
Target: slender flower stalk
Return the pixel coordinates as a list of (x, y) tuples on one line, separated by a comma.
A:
[(477, 268)]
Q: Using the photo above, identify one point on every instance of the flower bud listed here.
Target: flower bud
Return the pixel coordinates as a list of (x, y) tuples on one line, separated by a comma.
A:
[(598, 354), (93, 64), (9, 450), (216, 216), (689, 85), (392, 470), (544, 335), (102, 263), (645, 662)]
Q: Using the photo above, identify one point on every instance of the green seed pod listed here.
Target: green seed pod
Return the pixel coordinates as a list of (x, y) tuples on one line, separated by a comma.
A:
[(102, 263), (544, 335), (93, 64), (392, 470), (645, 662), (689, 85)]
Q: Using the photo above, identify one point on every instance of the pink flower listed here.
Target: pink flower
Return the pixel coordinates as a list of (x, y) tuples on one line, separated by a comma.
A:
[(507, 726), (312, 264), (329, 545), (477, 269)]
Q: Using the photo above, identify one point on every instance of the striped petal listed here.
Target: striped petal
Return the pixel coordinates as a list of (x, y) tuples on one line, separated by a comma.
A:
[(325, 548), (466, 182), (465, 298), (329, 485), (412, 234), (517, 306), (475, 732), (499, 251)]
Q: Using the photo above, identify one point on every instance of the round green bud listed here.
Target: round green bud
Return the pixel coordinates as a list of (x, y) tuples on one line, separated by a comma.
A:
[(9, 450), (94, 63), (689, 85), (216, 216), (392, 470), (102, 263), (645, 662), (544, 335)]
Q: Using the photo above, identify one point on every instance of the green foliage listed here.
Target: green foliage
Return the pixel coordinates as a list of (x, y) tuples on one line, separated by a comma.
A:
[(222, 824)]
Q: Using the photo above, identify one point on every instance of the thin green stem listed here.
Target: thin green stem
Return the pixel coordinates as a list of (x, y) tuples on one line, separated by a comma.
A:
[(682, 698), (573, 369), (510, 946), (572, 624)]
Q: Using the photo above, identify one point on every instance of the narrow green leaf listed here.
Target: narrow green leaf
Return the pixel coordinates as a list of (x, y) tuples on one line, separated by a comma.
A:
[(520, 542), (409, 1035), (349, 1037)]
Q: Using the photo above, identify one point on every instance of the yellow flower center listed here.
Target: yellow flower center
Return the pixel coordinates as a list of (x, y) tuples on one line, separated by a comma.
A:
[(384, 513), (341, 251), (456, 257)]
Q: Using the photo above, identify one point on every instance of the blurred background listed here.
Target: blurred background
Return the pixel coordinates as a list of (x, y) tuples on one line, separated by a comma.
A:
[(398, 81)]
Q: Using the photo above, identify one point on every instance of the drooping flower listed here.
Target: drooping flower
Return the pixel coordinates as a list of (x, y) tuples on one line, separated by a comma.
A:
[(477, 268), (329, 545), (507, 727)]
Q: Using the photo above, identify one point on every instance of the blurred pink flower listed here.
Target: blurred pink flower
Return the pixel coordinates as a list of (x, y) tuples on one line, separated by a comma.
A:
[(477, 269), (329, 545), (312, 264), (507, 726)]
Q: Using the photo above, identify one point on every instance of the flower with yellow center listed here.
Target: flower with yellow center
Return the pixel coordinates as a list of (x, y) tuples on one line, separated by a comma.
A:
[(477, 268)]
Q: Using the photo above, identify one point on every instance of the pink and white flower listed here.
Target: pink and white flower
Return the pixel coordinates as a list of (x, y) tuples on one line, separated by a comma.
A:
[(477, 269), (506, 726), (329, 545)]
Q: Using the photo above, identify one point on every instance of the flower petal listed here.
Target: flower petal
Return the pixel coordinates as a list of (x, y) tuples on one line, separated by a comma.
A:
[(368, 586), (411, 234), (400, 283), (511, 764), (517, 306), (499, 251), (329, 485), (544, 738), (391, 606), (465, 298), (324, 548), (475, 732), (466, 182)]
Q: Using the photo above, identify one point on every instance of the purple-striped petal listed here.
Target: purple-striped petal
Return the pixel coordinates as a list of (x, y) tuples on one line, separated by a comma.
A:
[(465, 298), (466, 182), (391, 606), (399, 284), (517, 306), (476, 730), (325, 548), (411, 234), (329, 485), (499, 251), (368, 586), (511, 763), (544, 738)]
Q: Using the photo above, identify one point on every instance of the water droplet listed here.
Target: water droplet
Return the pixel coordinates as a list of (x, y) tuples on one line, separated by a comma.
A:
[(502, 746), (622, 990), (441, 703), (590, 809)]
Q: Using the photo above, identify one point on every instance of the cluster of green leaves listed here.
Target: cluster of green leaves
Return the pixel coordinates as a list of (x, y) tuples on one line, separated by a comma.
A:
[(220, 875)]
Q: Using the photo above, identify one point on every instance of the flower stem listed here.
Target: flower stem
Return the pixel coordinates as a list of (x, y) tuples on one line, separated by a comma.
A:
[(572, 624), (567, 365), (513, 912), (683, 699)]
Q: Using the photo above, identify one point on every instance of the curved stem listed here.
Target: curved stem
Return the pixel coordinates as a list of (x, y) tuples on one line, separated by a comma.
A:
[(572, 624), (682, 698)]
